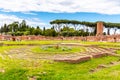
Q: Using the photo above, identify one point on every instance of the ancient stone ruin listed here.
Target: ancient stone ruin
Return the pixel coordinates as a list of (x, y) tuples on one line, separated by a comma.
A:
[(99, 29)]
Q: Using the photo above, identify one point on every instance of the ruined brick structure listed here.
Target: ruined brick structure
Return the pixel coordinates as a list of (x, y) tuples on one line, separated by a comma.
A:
[(99, 36), (99, 29), (102, 38)]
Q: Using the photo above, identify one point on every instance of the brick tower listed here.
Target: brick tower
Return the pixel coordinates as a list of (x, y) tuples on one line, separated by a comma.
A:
[(99, 29)]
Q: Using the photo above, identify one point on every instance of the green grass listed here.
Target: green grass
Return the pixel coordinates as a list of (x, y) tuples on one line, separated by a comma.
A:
[(118, 51), (22, 69), (50, 70), (6, 48), (39, 42), (102, 43), (65, 41), (60, 50)]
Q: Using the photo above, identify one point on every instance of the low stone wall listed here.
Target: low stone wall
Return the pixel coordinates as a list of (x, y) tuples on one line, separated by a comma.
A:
[(108, 38), (77, 59)]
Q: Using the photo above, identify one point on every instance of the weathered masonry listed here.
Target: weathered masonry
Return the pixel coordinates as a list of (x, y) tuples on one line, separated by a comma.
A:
[(99, 29)]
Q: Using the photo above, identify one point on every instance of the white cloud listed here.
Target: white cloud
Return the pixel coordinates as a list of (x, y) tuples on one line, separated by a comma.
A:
[(98, 6), (10, 18), (29, 13)]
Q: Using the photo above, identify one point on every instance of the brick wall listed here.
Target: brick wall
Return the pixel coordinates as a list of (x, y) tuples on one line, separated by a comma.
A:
[(109, 38), (99, 29)]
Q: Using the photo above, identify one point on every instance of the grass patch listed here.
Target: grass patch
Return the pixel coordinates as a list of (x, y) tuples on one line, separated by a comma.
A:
[(6, 48), (23, 69), (49, 70), (42, 42), (118, 51), (14, 74), (60, 50), (113, 44)]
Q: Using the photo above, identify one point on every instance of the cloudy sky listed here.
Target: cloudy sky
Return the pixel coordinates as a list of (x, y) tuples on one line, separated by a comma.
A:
[(41, 12)]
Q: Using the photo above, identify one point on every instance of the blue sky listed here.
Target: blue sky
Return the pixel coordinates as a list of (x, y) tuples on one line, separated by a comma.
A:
[(41, 12), (46, 17)]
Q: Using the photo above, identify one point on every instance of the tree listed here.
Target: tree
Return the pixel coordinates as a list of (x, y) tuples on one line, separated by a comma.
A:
[(43, 31), (58, 24), (37, 31), (1, 29), (31, 29), (5, 28), (27, 33), (50, 32), (59, 27), (23, 25)]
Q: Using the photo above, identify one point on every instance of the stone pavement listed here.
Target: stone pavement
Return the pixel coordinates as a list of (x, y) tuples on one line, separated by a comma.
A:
[(90, 52)]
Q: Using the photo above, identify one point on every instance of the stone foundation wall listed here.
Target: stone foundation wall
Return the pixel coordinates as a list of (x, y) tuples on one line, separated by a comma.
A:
[(108, 38)]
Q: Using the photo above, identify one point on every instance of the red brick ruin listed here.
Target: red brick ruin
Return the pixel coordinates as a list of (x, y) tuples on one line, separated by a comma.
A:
[(99, 29), (99, 37)]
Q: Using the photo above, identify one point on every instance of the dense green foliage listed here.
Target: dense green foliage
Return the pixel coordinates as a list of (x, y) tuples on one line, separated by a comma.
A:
[(19, 29), (59, 28), (88, 26)]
